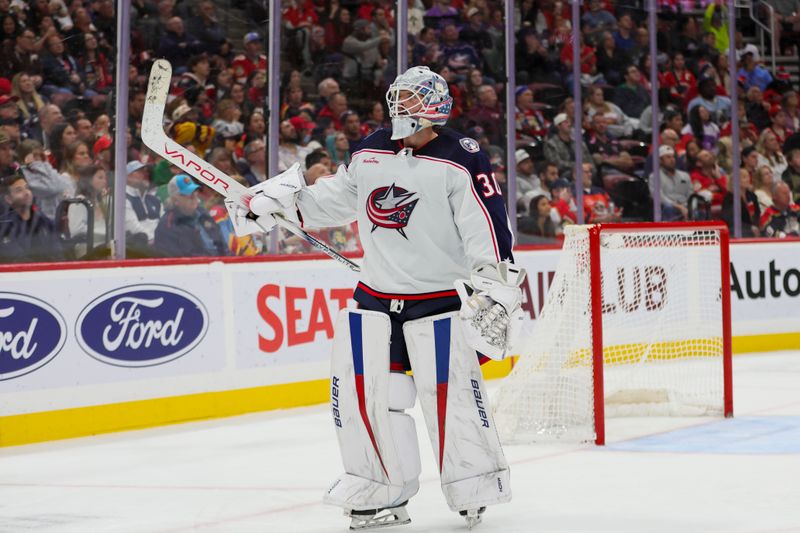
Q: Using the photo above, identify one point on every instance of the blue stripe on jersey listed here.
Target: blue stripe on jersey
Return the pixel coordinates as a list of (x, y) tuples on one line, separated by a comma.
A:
[(448, 146), (441, 337), (356, 344)]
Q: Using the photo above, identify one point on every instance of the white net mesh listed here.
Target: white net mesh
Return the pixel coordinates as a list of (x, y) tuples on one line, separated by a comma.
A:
[(662, 337)]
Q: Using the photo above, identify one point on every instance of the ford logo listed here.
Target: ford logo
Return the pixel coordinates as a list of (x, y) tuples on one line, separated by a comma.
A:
[(31, 334), (141, 325)]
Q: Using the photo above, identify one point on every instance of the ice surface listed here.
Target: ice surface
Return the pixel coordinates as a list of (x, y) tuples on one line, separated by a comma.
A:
[(266, 473)]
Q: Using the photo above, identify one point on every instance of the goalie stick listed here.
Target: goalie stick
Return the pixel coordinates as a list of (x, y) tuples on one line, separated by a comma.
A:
[(154, 137)]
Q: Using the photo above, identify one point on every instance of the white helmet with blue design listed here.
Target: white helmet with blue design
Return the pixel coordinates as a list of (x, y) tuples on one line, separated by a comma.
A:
[(418, 99)]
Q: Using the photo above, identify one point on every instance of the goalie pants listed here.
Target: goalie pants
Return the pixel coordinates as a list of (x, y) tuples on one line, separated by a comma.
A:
[(410, 310), (377, 440)]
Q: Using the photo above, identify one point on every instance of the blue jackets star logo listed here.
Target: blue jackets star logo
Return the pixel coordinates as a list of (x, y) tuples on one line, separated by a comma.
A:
[(391, 207)]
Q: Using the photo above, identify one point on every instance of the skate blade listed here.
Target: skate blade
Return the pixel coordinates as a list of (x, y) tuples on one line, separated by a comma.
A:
[(397, 516), (473, 521)]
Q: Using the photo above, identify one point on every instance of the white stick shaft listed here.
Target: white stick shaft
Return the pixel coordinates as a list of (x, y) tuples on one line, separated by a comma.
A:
[(154, 137)]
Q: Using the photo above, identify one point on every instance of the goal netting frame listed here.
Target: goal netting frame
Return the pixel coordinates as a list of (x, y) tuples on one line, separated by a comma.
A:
[(566, 378)]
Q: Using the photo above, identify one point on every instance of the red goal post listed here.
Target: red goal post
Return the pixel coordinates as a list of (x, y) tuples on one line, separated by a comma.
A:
[(636, 322)]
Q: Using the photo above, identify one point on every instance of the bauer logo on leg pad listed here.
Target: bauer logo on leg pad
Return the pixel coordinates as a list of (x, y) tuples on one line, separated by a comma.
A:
[(476, 392), (335, 401)]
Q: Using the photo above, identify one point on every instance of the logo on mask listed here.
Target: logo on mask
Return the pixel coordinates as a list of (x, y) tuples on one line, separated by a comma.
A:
[(391, 207)]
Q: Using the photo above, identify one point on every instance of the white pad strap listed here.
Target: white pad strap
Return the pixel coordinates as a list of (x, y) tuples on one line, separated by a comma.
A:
[(373, 441), (473, 470)]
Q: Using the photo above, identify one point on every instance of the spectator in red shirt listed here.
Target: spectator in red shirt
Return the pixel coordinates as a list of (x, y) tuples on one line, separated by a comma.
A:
[(708, 180), (252, 58), (597, 204)]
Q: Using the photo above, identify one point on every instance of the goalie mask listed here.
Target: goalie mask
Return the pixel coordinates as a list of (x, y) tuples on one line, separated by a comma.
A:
[(417, 99)]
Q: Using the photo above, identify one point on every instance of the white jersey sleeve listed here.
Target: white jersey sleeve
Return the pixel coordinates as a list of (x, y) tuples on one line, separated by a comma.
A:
[(331, 201)]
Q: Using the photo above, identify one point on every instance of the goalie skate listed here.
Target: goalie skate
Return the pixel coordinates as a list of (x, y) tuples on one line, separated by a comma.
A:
[(377, 518), (473, 516)]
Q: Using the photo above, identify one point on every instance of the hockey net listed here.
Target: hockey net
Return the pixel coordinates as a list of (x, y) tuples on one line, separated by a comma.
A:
[(648, 337)]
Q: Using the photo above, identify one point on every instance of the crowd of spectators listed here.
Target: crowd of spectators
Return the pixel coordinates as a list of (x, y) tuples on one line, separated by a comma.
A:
[(338, 58)]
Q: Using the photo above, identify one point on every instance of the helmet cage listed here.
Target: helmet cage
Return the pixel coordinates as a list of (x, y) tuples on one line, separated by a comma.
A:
[(419, 101)]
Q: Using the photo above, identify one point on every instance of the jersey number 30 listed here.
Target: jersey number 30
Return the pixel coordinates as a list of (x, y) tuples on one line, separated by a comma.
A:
[(489, 184)]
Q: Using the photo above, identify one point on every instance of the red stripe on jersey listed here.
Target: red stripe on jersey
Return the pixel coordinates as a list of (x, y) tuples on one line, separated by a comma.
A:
[(475, 194), (419, 296)]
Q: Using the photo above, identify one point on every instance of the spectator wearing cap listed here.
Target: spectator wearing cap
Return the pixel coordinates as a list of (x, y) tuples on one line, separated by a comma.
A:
[(782, 218), (49, 187), (186, 129), (206, 28), (351, 127), (9, 111), (530, 122), (752, 73), (25, 233), (186, 230), (251, 59), (103, 153), (675, 186), (718, 106), (363, 61), (475, 33), (779, 119), (559, 148), (142, 207), (527, 180), (176, 45)]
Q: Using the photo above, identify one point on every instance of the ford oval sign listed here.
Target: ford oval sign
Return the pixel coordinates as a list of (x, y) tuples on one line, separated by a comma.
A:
[(31, 334), (142, 325)]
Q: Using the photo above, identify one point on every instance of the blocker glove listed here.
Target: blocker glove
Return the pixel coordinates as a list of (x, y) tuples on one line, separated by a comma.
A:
[(491, 312), (272, 197)]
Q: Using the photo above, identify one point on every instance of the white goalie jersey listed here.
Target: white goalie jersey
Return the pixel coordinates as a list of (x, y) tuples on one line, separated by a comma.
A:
[(426, 217)]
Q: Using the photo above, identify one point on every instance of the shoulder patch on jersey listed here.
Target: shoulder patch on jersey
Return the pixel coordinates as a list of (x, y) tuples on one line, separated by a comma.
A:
[(470, 145)]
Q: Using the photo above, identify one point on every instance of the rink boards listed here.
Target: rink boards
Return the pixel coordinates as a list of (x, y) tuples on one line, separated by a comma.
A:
[(86, 349)]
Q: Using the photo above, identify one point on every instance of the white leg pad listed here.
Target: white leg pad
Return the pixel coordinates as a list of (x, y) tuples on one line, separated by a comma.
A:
[(379, 467), (472, 467)]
